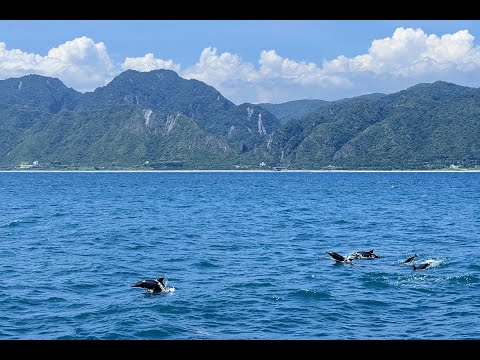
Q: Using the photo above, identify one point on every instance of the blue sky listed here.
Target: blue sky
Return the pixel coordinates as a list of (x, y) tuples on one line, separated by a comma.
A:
[(249, 60)]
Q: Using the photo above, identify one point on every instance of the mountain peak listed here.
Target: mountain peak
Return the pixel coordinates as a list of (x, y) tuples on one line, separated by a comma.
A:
[(34, 80), (437, 85), (38, 91), (135, 75)]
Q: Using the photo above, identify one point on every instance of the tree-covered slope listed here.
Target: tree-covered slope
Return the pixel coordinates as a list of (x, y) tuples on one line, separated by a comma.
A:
[(35, 92), (165, 91), (293, 109), (96, 128), (425, 126), (123, 136)]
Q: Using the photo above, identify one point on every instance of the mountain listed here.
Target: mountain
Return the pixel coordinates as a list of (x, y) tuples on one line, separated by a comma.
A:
[(293, 109), (165, 91), (425, 126), (138, 119), (37, 92), (158, 120)]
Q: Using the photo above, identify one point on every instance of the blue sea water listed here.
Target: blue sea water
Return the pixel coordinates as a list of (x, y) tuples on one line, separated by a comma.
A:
[(245, 252)]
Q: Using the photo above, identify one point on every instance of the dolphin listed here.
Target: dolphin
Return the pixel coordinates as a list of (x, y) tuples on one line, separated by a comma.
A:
[(339, 258), (153, 285), (409, 260), (421, 266), (365, 255)]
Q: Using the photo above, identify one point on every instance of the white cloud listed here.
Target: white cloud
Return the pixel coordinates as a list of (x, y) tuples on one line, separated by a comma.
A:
[(80, 63), (148, 63), (412, 53), (216, 69), (406, 58), (241, 81), (273, 66), (390, 64)]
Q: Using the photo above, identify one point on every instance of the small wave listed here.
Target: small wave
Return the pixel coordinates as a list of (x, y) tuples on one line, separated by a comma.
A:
[(464, 279), (135, 246), (56, 299), (377, 281), (83, 286), (474, 267), (372, 303), (73, 337), (202, 333), (153, 228), (252, 285), (418, 280), (15, 223), (206, 264), (312, 294), (153, 334), (192, 236), (7, 254)]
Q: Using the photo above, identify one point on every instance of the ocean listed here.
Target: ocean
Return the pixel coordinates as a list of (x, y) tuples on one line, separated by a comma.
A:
[(245, 252)]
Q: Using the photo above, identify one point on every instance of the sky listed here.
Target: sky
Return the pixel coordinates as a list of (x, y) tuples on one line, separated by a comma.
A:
[(249, 60)]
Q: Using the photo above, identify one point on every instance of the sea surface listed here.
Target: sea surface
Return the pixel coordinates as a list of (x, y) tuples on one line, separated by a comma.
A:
[(245, 252)]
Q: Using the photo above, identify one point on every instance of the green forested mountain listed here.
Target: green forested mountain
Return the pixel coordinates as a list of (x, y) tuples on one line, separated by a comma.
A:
[(150, 120), (35, 92), (165, 91), (426, 126), (293, 109), (158, 120)]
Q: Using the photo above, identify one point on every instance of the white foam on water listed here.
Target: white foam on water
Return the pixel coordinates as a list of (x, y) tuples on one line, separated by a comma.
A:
[(433, 262)]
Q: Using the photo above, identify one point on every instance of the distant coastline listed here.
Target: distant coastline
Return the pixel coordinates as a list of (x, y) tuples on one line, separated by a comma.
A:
[(179, 127), (242, 171)]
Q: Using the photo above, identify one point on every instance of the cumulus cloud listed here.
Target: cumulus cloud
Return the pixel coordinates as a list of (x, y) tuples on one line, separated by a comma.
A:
[(242, 81), (412, 52), (407, 57), (148, 63), (217, 69), (390, 64), (80, 63)]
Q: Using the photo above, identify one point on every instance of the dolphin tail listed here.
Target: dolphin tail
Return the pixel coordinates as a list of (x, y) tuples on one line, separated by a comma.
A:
[(414, 267)]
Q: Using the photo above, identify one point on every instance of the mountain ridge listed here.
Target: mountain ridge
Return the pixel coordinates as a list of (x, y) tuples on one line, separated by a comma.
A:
[(158, 120)]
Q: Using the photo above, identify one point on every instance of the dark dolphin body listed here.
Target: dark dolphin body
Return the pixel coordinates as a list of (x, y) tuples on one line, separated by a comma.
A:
[(421, 266), (338, 257), (365, 255), (153, 285), (409, 260)]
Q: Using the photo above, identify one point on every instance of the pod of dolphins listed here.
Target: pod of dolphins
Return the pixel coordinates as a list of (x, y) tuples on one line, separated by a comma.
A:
[(371, 255), (159, 285)]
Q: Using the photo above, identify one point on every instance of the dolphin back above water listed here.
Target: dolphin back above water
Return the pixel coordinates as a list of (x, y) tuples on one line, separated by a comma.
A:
[(365, 255), (157, 285), (421, 266), (410, 259)]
